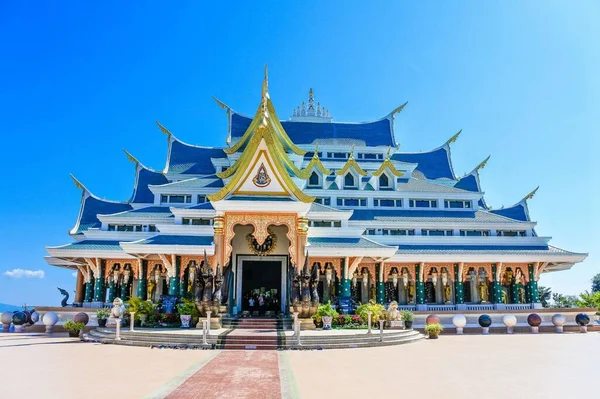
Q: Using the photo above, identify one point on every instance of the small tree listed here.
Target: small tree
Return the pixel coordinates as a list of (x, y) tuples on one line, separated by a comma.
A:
[(596, 283), (545, 293), (589, 300), (564, 301)]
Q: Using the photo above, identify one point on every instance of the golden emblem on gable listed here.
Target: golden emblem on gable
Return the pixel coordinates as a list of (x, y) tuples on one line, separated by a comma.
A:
[(261, 179)]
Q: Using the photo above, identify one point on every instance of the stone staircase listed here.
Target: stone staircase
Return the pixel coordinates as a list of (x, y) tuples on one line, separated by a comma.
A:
[(254, 323), (253, 339)]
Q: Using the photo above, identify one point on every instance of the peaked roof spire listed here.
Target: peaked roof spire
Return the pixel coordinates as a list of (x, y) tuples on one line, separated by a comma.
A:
[(311, 111), (454, 138), (531, 194)]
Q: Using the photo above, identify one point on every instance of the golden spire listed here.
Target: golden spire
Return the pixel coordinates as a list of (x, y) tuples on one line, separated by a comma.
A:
[(398, 110), (531, 194), (131, 157), (164, 129), (454, 138), (78, 183), (483, 163)]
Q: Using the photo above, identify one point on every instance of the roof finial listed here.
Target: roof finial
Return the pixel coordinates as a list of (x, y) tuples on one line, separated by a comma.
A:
[(77, 183), (266, 81), (131, 157), (454, 138), (352, 152), (398, 110), (389, 151), (483, 163), (164, 129), (531, 194), (316, 154)]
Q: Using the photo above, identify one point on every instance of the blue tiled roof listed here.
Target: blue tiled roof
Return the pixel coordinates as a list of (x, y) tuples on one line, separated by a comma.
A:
[(434, 164), (152, 212), (468, 183), (177, 240), (377, 133), (91, 207), (344, 242), (517, 212), (206, 205), (427, 216), (94, 245), (194, 183), (145, 177), (187, 159)]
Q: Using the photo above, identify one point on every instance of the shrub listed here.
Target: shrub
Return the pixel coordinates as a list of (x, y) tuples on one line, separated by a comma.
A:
[(377, 312), (103, 314), (407, 316), (187, 307), (140, 307), (71, 326), (434, 329)]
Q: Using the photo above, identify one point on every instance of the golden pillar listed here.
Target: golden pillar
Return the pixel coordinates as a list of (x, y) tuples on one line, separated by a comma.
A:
[(302, 238), (218, 225)]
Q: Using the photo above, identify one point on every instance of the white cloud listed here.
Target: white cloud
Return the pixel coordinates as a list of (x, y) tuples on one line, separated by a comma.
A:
[(74, 274), (24, 273)]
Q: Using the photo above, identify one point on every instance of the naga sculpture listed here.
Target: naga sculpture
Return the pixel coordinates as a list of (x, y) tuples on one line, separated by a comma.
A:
[(216, 296), (63, 303), (295, 291)]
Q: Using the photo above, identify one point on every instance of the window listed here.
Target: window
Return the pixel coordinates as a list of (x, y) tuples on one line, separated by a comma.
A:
[(417, 203), (349, 180), (175, 199), (388, 202), (125, 227), (201, 198), (384, 181), (313, 180), (510, 233), (352, 202), (196, 221), (474, 233), (323, 200), (462, 204), (152, 228), (436, 232), (325, 223), (390, 232)]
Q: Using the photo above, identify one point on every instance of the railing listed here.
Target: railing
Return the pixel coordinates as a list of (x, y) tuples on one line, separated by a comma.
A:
[(517, 306), (480, 307), (441, 308), (411, 308)]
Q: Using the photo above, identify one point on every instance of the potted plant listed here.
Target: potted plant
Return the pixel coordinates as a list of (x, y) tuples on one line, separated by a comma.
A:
[(73, 328), (142, 309), (326, 313), (434, 330), (102, 315), (377, 312), (186, 310), (408, 318)]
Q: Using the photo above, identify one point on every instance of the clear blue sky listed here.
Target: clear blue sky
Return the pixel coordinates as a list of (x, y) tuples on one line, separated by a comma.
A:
[(82, 81)]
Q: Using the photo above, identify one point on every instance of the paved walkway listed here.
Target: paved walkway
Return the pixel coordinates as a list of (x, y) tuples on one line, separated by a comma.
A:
[(472, 366)]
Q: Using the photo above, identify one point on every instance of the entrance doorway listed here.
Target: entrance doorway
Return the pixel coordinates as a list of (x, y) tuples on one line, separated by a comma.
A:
[(256, 276), (261, 279)]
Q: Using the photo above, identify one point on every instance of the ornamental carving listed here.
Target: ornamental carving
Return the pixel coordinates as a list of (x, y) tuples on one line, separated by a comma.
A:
[(487, 267), (336, 263), (371, 267), (261, 223), (261, 179), (266, 248), (186, 259), (427, 268)]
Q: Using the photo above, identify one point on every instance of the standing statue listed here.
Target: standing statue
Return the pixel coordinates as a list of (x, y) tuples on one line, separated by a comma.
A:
[(63, 303), (521, 295), (305, 287), (295, 291), (448, 293), (314, 289), (206, 277), (216, 297), (483, 292)]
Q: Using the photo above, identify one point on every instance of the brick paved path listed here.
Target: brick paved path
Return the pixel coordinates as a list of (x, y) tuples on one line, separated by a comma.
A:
[(234, 374)]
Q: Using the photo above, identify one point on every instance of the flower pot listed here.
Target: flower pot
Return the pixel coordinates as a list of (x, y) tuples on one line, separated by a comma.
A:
[(433, 336), (185, 320), (101, 322), (408, 324), (327, 322), (73, 334)]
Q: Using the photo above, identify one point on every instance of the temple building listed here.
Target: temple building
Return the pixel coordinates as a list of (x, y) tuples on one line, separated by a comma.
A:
[(370, 221)]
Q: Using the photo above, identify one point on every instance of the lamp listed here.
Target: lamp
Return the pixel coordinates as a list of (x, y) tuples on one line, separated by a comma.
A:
[(434, 278), (395, 277), (365, 276), (126, 274), (115, 277), (405, 278), (157, 275), (354, 278)]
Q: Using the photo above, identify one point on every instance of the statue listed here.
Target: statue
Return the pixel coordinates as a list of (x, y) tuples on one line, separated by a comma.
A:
[(393, 314), (63, 303), (295, 289), (448, 293), (216, 297), (521, 295), (314, 284), (305, 279), (483, 292), (519, 277), (504, 296), (151, 289), (205, 294), (411, 293)]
